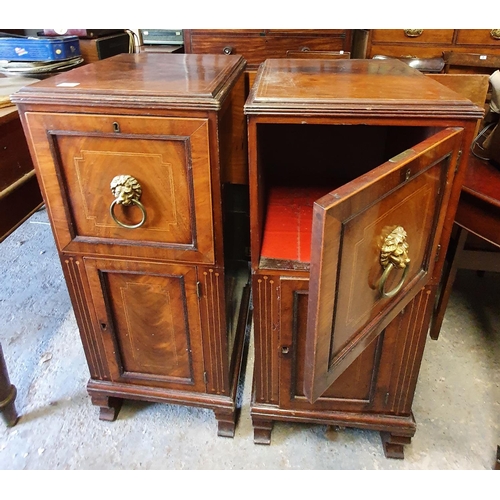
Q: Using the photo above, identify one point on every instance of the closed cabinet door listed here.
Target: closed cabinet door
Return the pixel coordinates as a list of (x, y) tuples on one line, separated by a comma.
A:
[(127, 185), (362, 386), (148, 315), (374, 243)]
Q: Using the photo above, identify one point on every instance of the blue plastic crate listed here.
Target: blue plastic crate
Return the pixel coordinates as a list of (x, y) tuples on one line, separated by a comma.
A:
[(39, 48)]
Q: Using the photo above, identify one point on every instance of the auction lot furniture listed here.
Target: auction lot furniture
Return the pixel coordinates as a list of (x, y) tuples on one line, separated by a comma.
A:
[(132, 154), (257, 45), (429, 43), (355, 169)]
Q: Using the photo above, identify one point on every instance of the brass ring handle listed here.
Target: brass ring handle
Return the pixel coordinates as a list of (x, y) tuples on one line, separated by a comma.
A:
[(384, 277), (413, 33), (495, 34), (394, 255), (128, 226), (127, 191)]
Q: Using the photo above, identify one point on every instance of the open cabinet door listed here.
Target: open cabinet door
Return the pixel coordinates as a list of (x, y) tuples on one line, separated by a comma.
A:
[(374, 243)]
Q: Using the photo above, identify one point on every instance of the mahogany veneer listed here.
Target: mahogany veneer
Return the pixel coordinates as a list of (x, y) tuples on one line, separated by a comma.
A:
[(428, 43), (341, 154), (162, 310)]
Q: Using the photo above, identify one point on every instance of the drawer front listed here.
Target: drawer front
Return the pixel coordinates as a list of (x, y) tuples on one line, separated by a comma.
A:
[(256, 47), (409, 50), (479, 37), (168, 168), (278, 47), (413, 36)]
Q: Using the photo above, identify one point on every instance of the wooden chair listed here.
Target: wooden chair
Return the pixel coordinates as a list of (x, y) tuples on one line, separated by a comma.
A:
[(476, 232), (476, 241)]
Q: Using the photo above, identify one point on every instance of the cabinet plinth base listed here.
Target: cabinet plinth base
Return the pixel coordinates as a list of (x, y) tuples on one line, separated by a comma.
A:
[(109, 406), (394, 445), (262, 431), (396, 431), (226, 422)]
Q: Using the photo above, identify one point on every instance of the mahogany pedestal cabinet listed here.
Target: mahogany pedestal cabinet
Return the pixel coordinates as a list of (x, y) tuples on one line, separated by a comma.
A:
[(355, 173), (131, 153)]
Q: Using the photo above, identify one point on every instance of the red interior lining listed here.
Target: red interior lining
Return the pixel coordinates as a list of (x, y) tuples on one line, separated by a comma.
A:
[(287, 231)]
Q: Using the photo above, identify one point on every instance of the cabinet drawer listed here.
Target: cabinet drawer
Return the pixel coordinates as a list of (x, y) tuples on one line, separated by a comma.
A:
[(408, 50), (413, 36), (251, 47), (479, 37), (258, 45), (79, 156)]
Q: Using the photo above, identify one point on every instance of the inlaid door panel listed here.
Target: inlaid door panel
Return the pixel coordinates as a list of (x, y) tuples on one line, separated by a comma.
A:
[(354, 390), (161, 192), (374, 243), (149, 318)]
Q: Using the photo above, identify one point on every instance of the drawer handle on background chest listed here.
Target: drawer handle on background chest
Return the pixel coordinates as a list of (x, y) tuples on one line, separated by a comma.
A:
[(227, 50), (127, 191), (413, 33), (394, 254), (495, 34)]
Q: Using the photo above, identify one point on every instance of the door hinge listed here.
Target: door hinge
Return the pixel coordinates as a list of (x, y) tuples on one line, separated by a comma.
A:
[(205, 378), (459, 159), (438, 251), (198, 289)]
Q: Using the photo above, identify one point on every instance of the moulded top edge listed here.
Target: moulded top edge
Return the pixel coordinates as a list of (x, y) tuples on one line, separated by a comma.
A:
[(169, 78), (331, 85)]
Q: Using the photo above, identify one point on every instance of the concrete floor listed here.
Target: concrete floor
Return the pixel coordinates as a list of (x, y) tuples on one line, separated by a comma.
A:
[(456, 402)]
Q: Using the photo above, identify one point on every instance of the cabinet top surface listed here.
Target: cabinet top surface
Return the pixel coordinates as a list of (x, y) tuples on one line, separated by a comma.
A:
[(179, 79), (307, 86)]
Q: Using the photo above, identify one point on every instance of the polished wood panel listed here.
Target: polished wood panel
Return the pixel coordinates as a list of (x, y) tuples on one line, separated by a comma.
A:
[(159, 315), (258, 45), (490, 37), (170, 159), (364, 131), (429, 43), (410, 193), (352, 87), (149, 321), (153, 80), (412, 36)]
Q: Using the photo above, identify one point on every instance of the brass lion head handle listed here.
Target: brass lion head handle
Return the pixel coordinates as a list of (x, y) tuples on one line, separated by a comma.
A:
[(127, 191), (394, 254)]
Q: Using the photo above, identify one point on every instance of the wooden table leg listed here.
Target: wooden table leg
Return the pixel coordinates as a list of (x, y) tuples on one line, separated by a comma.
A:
[(7, 395)]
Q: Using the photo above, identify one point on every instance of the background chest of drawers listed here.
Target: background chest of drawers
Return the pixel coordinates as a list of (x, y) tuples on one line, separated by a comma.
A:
[(344, 155), (427, 43), (131, 153), (258, 45)]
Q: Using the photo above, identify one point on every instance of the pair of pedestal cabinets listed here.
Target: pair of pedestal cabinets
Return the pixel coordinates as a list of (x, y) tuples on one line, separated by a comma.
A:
[(354, 173)]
